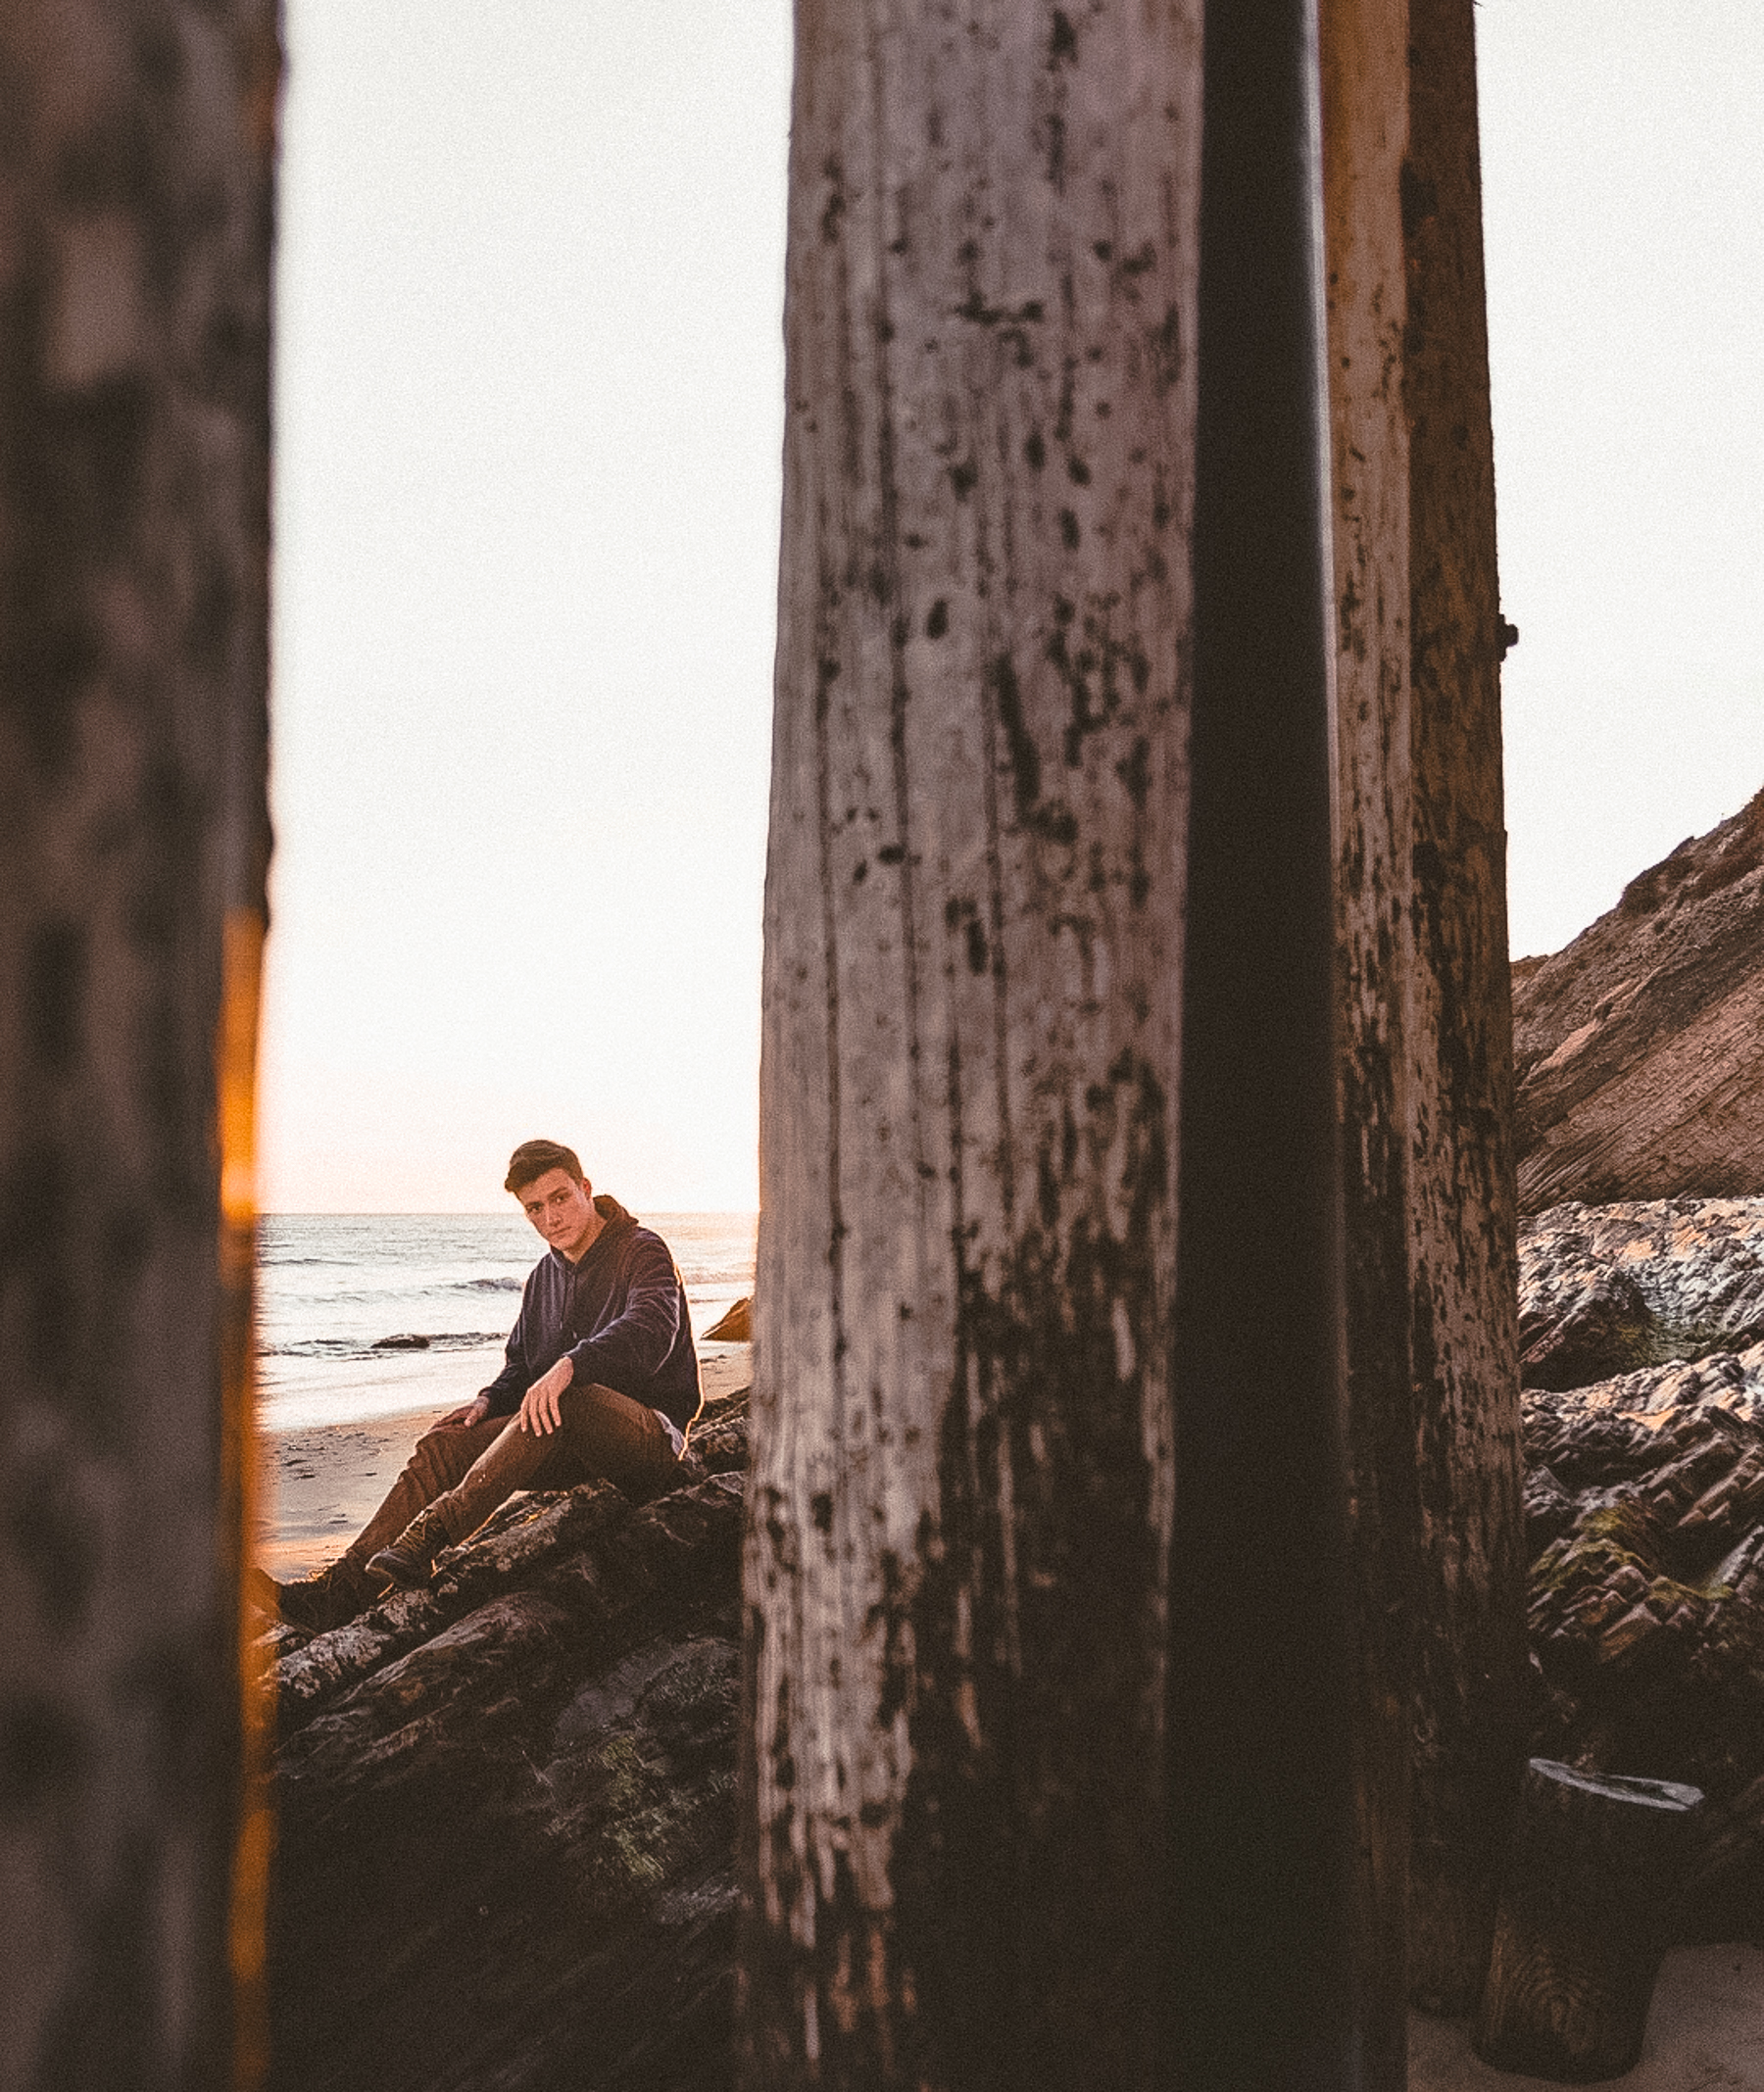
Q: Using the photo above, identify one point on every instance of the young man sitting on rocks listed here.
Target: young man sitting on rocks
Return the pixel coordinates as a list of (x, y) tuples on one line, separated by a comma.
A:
[(601, 1383)]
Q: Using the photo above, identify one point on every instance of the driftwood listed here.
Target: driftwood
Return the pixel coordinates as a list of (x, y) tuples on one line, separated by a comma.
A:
[(1584, 1921)]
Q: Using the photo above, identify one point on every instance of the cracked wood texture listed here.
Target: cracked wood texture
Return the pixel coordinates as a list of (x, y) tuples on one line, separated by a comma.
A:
[(136, 170), (958, 1528)]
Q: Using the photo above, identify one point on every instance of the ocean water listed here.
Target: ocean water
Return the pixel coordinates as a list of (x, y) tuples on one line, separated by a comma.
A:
[(372, 1314)]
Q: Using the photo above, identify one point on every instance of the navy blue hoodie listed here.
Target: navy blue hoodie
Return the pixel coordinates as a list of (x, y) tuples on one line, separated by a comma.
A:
[(621, 1314)]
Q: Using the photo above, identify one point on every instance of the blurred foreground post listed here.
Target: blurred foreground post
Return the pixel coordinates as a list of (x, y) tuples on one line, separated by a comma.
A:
[(135, 167), (956, 1570)]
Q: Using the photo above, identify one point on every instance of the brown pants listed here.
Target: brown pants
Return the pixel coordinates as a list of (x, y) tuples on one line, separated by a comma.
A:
[(465, 1471)]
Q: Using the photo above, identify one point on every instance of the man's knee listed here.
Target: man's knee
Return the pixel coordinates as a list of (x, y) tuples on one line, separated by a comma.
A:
[(613, 1436), (442, 1455)]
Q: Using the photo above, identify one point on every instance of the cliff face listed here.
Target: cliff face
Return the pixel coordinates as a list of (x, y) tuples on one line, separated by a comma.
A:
[(1639, 1048)]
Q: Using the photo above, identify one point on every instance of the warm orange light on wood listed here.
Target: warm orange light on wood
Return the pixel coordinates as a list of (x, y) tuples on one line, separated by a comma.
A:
[(235, 1089)]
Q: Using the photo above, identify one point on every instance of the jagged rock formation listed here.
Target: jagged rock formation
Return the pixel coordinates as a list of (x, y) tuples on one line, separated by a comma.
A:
[(1644, 1506), (1608, 1290), (1639, 1048), (506, 1847)]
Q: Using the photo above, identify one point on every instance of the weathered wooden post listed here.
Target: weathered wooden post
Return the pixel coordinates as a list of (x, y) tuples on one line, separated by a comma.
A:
[(974, 917), (973, 938), (1588, 1900), (1469, 1601), (1432, 1413), (1366, 130), (135, 168)]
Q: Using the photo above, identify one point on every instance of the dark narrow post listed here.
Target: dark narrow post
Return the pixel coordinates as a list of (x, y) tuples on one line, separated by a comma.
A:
[(1261, 1773)]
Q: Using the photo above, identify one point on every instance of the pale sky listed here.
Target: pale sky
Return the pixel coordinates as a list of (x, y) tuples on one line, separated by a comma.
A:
[(528, 433)]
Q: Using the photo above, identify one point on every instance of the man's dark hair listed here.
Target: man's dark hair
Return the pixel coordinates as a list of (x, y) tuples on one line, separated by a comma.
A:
[(532, 1159)]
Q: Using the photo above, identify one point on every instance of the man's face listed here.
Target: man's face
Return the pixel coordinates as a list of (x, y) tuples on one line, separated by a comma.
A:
[(561, 1210)]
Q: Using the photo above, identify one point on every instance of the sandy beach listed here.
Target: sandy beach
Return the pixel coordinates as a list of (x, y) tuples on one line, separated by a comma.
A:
[(318, 1487)]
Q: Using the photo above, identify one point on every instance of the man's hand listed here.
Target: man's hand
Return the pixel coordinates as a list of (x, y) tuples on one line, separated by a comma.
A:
[(475, 1412), (539, 1412)]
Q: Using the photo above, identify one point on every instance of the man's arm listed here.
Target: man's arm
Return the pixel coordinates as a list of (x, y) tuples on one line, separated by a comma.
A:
[(629, 1351), (503, 1395)]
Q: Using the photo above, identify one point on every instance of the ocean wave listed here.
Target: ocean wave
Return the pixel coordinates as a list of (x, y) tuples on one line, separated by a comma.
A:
[(384, 1346), (483, 1285)]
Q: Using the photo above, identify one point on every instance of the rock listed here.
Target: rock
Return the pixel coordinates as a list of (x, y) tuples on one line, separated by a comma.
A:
[(507, 1812), (505, 1805), (1641, 1332), (1548, 1510), (1647, 1602), (1639, 1048), (736, 1327), (1612, 1290)]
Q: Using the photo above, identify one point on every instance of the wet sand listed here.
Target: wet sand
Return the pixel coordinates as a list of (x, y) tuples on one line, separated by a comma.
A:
[(318, 1487)]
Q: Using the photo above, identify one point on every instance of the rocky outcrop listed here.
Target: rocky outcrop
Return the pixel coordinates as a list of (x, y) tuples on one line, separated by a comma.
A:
[(1644, 1509), (506, 1802), (1639, 1048), (736, 1327), (1608, 1290), (505, 1807), (1646, 1495)]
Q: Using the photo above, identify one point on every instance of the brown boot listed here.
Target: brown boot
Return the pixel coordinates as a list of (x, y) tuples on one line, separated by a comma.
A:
[(328, 1598), (409, 1561)]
